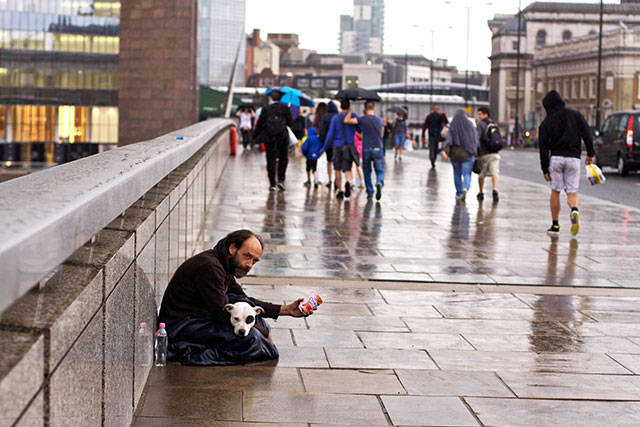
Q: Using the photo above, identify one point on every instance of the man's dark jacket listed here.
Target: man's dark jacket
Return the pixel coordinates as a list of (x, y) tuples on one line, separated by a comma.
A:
[(261, 132), (200, 286), (434, 122), (483, 137), (561, 131)]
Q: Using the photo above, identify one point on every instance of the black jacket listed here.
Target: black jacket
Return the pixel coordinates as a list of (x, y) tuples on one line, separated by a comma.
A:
[(200, 286), (561, 131), (263, 131)]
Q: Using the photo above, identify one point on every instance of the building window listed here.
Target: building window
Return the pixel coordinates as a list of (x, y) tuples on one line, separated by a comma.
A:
[(574, 91), (592, 88), (583, 88), (551, 86), (541, 38), (514, 44), (567, 89), (566, 35), (514, 78), (609, 83)]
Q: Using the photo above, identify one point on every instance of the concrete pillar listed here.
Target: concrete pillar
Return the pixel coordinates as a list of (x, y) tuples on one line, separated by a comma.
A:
[(158, 86)]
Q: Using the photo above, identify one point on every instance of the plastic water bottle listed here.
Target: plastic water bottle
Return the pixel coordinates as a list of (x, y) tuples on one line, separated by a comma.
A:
[(144, 345), (160, 346)]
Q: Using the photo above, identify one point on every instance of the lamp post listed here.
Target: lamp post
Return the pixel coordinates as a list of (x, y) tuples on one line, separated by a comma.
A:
[(516, 130), (433, 34), (466, 72), (599, 67)]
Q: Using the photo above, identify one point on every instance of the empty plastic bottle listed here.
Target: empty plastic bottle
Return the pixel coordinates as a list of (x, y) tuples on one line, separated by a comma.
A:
[(160, 346), (144, 345)]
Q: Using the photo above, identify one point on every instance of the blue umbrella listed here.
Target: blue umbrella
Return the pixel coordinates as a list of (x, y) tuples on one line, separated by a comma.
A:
[(292, 96)]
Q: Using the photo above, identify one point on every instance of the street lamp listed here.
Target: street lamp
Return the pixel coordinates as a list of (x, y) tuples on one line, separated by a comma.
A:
[(516, 131), (599, 67)]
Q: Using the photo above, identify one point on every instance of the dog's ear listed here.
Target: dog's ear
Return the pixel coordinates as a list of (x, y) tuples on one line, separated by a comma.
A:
[(228, 307), (258, 310)]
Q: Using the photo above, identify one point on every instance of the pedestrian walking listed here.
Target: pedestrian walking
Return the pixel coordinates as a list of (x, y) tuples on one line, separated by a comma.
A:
[(488, 153), (246, 116), (271, 129), (434, 123), (325, 122), (340, 135), (372, 147), (560, 147), (311, 150), (386, 136), (399, 132), (461, 146), (357, 169)]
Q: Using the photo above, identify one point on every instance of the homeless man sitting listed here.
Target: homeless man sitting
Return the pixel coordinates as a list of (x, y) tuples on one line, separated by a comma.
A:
[(193, 306)]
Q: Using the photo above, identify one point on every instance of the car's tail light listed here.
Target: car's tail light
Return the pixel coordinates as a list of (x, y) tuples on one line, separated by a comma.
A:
[(630, 133)]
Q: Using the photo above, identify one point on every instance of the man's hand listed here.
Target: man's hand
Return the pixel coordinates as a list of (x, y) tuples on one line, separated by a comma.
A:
[(588, 160), (292, 309), (547, 177)]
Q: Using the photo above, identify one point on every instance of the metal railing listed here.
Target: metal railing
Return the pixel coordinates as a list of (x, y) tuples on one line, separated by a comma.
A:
[(46, 216)]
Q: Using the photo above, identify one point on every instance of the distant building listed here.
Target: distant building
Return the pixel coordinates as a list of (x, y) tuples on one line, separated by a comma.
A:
[(58, 80), (284, 41), (363, 32), (220, 29), (571, 69), (542, 24), (260, 56)]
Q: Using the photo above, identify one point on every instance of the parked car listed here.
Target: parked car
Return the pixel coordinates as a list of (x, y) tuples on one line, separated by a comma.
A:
[(618, 143)]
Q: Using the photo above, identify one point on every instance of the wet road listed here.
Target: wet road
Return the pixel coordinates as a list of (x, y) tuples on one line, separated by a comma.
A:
[(389, 346), (419, 233)]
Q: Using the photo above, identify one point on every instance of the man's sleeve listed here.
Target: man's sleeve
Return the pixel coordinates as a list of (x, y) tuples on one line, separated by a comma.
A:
[(425, 124), (329, 137), (444, 119), (543, 142), (288, 116), (586, 135), (271, 311)]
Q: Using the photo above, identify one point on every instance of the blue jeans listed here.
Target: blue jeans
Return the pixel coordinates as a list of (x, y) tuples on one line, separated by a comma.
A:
[(375, 156), (398, 139), (462, 175)]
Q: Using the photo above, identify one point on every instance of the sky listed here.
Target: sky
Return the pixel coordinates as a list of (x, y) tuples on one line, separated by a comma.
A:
[(409, 25)]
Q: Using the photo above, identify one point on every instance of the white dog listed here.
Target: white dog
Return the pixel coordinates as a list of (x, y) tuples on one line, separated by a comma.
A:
[(243, 317)]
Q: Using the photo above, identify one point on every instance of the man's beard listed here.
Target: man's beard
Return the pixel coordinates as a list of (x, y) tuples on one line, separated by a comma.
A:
[(238, 270)]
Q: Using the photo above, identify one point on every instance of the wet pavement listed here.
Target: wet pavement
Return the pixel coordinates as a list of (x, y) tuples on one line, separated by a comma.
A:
[(413, 329)]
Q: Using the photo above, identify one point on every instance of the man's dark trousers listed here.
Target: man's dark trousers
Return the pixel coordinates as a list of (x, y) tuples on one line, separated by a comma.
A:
[(277, 148), (434, 141)]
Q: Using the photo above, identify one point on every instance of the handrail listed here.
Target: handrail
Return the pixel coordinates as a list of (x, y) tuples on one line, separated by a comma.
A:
[(46, 216)]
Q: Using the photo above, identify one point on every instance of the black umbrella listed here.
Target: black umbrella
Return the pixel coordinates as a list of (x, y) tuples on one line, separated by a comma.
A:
[(399, 110), (358, 94)]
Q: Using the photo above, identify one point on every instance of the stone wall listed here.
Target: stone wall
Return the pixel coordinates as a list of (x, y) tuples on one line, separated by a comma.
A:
[(69, 353)]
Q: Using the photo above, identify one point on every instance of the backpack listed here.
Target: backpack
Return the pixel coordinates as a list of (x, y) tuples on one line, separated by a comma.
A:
[(276, 122), (494, 141)]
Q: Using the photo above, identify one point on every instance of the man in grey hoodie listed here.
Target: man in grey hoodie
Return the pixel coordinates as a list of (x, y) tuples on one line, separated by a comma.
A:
[(560, 138)]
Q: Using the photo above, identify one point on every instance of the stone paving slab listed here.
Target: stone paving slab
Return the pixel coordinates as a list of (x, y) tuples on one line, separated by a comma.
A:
[(517, 329)]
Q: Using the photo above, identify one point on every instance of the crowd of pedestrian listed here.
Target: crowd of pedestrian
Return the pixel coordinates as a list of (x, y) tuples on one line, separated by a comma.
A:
[(355, 145)]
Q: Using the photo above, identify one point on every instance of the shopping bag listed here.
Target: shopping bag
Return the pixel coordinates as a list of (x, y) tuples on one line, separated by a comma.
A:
[(594, 175), (477, 165), (292, 137)]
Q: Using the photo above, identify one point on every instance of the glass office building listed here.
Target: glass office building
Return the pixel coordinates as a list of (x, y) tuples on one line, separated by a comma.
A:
[(58, 79), (220, 29)]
